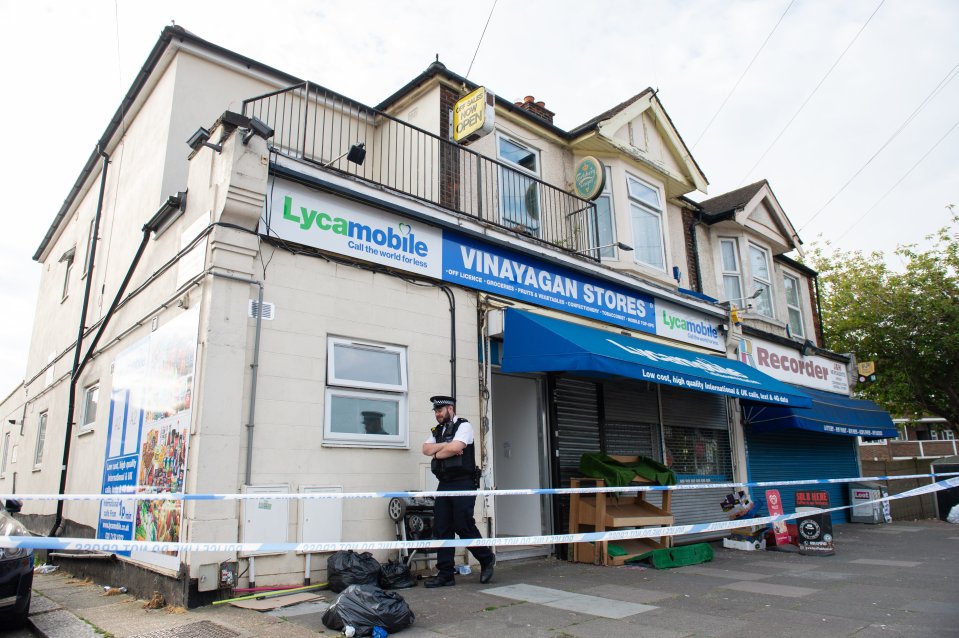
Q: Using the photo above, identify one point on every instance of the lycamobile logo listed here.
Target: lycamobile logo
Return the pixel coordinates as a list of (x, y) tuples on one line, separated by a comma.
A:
[(402, 239), (674, 322)]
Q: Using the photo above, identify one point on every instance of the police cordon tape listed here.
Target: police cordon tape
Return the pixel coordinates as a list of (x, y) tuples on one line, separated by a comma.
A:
[(259, 496), (81, 544)]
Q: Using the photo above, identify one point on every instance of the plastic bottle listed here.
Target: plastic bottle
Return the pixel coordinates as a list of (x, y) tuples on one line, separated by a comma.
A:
[(464, 570)]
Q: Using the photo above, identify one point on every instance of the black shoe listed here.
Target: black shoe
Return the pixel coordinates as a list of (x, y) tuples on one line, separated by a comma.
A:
[(439, 581), (486, 573)]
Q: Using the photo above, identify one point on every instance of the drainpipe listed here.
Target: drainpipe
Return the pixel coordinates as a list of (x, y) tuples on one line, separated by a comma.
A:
[(76, 369), (254, 369), (449, 295), (172, 205), (822, 333)]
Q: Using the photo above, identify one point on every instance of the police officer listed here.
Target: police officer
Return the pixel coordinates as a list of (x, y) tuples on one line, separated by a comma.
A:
[(454, 464)]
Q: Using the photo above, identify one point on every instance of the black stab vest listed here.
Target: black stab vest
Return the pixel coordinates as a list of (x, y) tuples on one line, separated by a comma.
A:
[(454, 468)]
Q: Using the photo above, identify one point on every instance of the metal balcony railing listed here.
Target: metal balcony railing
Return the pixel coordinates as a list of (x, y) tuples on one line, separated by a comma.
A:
[(319, 126)]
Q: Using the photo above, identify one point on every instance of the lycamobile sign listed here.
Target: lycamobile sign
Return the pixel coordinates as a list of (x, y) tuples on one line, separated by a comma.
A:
[(676, 322), (300, 214)]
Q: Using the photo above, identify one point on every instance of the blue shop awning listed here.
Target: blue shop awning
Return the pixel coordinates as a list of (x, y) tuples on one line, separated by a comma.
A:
[(534, 343), (830, 413)]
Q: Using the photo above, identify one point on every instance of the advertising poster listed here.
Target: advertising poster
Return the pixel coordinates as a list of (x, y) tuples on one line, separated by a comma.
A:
[(774, 503), (814, 529), (147, 437)]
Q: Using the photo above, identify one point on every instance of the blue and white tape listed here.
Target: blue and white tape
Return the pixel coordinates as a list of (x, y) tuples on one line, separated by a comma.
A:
[(79, 544), (180, 496)]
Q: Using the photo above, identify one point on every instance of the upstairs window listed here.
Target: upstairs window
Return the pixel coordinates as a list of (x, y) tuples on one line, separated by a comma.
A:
[(605, 219), (646, 212), (519, 193), (67, 261), (732, 272), (762, 280), (791, 286), (6, 448), (366, 394), (41, 439), (91, 397)]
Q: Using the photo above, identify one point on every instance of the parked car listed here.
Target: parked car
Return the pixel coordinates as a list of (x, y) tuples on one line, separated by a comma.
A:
[(16, 571)]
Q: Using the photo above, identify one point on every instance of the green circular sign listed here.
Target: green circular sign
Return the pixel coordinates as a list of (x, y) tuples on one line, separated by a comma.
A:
[(590, 178)]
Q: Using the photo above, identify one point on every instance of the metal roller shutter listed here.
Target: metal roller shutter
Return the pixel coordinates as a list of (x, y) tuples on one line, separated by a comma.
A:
[(632, 415), (696, 436), (799, 454), (577, 431)]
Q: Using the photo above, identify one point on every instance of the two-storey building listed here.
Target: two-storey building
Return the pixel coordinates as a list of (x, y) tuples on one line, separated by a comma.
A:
[(267, 308)]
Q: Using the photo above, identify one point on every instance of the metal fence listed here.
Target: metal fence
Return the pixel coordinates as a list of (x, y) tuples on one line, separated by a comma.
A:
[(319, 126)]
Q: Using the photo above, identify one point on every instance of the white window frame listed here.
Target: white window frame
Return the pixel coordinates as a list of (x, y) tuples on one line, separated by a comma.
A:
[(739, 301), (766, 285), (645, 207), (505, 177), (87, 423), (790, 308), (610, 251), (948, 435), (41, 439), (6, 451), (68, 269), (339, 386)]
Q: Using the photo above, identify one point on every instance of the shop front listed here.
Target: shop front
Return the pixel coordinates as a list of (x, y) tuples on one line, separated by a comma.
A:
[(624, 395), (785, 444)]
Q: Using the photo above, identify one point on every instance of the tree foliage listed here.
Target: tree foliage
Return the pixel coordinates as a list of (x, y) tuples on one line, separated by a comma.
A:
[(905, 319)]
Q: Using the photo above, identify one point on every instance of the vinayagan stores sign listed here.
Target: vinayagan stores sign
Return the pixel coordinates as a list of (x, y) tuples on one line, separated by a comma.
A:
[(787, 364), (299, 214)]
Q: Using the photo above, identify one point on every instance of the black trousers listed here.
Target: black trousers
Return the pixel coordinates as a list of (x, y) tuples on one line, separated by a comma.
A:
[(454, 515)]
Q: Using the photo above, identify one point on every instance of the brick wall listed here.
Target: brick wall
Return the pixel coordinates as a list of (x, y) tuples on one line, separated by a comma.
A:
[(449, 157), (691, 265)]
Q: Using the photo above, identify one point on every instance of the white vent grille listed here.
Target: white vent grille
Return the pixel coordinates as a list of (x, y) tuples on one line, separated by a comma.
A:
[(268, 310)]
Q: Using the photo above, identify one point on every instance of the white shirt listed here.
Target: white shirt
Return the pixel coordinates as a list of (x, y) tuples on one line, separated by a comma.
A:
[(464, 433)]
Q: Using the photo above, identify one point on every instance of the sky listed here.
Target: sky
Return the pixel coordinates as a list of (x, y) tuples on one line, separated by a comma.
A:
[(850, 108)]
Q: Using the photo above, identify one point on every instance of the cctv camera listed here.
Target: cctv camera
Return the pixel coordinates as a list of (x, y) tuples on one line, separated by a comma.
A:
[(198, 139), (257, 127)]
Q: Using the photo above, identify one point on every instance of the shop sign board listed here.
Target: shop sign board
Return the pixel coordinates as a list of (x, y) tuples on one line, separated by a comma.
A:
[(306, 216), (474, 115), (815, 528), (789, 365), (147, 436), (680, 324), (310, 217), (590, 178), (524, 277)]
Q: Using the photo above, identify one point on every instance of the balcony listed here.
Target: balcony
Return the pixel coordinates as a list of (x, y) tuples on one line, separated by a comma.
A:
[(314, 125)]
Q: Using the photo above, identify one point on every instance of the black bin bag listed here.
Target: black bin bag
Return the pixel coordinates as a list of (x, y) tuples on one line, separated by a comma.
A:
[(396, 575), (349, 568), (366, 606)]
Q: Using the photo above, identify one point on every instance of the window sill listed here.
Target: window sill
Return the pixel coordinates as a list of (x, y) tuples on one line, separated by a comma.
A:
[(85, 432), (37, 468), (365, 445)]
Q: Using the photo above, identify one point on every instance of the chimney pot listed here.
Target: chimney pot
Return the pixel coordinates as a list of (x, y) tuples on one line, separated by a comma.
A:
[(529, 99)]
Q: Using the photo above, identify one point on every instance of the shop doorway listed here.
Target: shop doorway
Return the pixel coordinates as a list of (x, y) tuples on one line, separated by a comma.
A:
[(519, 454)]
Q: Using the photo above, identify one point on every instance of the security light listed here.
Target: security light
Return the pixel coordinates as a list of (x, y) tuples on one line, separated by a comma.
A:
[(356, 154), (618, 244)]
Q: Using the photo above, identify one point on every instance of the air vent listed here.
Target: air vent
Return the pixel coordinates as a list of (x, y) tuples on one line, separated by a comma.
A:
[(255, 309)]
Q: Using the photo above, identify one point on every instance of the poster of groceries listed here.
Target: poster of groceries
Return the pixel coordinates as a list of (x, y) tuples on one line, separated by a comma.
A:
[(148, 435)]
